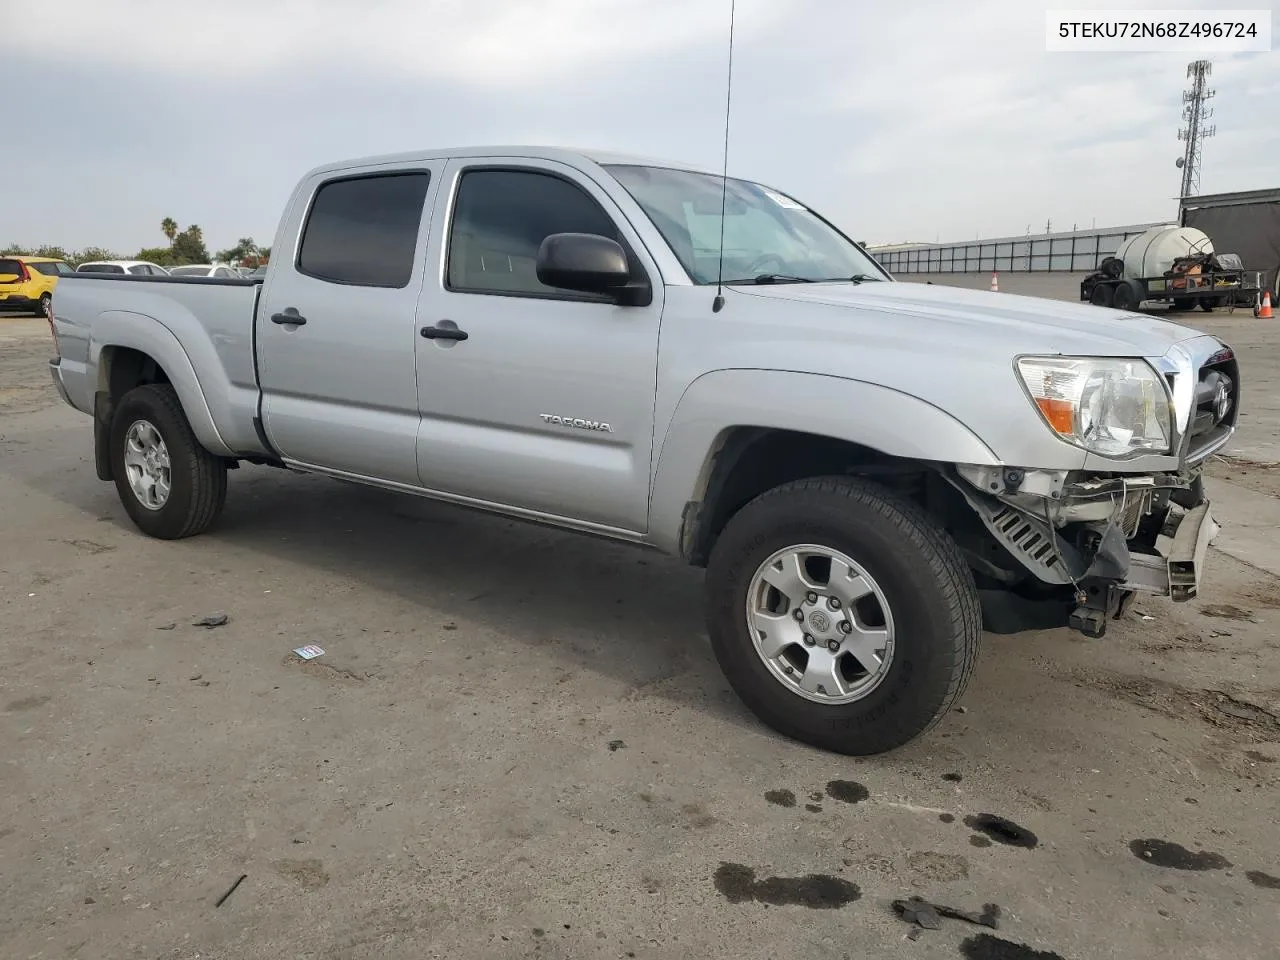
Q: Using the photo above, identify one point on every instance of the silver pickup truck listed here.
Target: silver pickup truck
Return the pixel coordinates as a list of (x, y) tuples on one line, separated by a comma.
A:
[(863, 467)]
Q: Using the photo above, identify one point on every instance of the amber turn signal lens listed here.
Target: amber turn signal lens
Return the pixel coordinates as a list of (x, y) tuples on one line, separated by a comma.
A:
[(1059, 413)]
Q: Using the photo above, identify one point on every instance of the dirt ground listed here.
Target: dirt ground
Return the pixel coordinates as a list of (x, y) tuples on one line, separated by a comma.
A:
[(517, 743)]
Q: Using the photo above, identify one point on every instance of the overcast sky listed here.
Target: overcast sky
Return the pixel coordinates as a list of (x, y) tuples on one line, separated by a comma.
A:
[(914, 120)]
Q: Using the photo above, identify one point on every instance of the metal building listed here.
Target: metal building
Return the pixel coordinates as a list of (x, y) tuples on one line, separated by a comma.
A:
[(1246, 223), (1076, 251)]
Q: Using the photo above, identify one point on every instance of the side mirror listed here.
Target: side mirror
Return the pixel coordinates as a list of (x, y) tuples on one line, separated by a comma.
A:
[(583, 261)]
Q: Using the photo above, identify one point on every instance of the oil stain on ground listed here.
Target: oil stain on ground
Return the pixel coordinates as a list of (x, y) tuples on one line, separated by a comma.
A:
[(847, 791), (738, 884), (27, 703), (780, 798), (1174, 856), (986, 947), (1002, 831), (1263, 880)]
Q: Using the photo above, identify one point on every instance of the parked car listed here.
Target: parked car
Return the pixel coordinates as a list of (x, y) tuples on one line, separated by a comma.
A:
[(859, 464), (217, 270), (27, 283), (135, 268)]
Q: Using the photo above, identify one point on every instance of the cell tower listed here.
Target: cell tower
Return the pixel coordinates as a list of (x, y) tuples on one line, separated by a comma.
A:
[(1195, 113)]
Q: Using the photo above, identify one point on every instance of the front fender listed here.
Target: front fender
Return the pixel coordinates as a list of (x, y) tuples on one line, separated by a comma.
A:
[(120, 328), (889, 421)]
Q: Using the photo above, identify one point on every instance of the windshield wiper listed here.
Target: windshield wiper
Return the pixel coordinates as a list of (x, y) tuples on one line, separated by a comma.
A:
[(772, 278), (863, 278)]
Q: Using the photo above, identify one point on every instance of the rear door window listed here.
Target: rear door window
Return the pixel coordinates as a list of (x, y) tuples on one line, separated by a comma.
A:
[(363, 231)]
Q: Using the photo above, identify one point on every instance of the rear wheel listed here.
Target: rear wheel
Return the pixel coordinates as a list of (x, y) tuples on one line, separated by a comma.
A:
[(170, 485), (843, 616), (1102, 295), (46, 304)]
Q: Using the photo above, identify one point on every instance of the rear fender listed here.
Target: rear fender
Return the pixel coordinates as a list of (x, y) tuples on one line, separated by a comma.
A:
[(118, 328), (893, 423)]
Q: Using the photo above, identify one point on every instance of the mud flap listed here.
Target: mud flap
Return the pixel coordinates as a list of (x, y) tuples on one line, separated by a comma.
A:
[(103, 410)]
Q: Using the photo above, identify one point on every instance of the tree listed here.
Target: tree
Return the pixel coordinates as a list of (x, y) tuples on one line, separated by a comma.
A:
[(244, 251), (158, 255), (15, 250), (91, 253), (188, 246), (169, 227), (53, 253)]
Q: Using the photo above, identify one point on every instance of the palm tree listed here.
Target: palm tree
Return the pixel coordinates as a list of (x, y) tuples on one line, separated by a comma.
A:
[(169, 226)]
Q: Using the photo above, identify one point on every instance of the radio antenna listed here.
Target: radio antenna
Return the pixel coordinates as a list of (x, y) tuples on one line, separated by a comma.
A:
[(718, 303)]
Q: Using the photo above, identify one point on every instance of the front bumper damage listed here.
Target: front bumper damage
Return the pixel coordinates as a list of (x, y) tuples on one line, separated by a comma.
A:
[(1088, 545)]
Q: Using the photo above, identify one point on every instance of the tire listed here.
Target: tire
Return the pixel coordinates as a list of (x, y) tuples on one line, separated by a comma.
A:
[(43, 309), (197, 480), (1207, 304), (933, 617), (1125, 298), (1101, 295)]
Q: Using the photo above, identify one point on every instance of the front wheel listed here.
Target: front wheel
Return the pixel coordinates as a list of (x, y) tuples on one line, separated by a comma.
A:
[(842, 615), (170, 485)]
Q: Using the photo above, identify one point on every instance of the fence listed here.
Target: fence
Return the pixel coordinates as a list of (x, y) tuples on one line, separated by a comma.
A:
[(1077, 251)]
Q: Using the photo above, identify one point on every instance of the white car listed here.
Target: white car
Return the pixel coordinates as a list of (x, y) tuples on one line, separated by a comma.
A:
[(218, 270), (137, 268)]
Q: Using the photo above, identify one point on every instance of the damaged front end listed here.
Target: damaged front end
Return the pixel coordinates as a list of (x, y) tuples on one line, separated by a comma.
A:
[(1082, 545)]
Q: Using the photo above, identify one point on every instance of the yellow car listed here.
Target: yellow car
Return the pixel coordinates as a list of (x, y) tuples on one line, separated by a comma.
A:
[(27, 283)]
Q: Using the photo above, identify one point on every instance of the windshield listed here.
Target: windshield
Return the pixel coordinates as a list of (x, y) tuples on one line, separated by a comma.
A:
[(190, 271), (767, 236)]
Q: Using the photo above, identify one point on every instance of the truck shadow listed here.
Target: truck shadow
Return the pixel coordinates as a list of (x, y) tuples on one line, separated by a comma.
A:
[(625, 613)]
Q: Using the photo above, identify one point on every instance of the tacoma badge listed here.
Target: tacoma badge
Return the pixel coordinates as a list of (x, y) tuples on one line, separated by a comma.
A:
[(576, 422)]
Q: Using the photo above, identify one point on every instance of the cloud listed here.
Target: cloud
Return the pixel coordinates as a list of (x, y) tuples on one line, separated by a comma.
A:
[(488, 45), (916, 121)]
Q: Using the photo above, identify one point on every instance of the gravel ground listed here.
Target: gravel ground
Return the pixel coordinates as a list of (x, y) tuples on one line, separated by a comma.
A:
[(518, 745)]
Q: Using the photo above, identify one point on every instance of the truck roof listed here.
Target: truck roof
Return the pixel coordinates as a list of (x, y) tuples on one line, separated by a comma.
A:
[(569, 156)]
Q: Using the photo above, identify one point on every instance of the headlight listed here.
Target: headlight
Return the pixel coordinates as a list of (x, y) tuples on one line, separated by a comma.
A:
[(1114, 408)]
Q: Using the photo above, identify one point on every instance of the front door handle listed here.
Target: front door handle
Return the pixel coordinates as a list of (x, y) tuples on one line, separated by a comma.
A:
[(444, 333), (289, 315)]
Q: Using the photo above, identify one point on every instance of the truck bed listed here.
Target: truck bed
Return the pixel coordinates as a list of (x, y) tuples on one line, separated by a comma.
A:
[(210, 333)]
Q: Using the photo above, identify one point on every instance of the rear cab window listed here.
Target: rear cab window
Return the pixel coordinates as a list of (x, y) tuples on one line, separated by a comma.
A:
[(363, 230)]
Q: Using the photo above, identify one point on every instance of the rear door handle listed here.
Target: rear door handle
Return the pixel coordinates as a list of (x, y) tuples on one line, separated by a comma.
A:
[(444, 333), (289, 315)]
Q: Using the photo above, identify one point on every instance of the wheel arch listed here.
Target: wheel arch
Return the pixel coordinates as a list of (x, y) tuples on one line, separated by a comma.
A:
[(130, 349), (736, 433)]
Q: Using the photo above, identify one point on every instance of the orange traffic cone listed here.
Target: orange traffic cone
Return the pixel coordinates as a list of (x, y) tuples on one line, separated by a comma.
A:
[(1264, 312), (995, 283)]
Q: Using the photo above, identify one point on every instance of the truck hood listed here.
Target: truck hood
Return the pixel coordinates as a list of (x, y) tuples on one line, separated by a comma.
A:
[(976, 320)]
